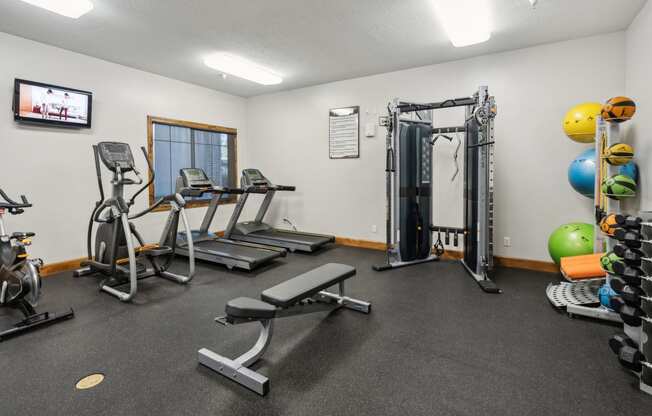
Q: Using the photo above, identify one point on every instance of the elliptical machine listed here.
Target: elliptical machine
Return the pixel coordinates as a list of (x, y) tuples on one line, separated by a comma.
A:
[(20, 282), (115, 255)]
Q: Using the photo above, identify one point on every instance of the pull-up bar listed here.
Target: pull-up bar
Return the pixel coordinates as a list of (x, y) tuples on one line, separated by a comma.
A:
[(454, 102)]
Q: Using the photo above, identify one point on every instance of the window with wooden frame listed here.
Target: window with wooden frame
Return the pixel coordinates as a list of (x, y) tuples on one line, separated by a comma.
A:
[(176, 144)]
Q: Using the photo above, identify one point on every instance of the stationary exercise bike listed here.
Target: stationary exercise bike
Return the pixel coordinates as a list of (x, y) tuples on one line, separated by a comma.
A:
[(115, 256), (20, 282)]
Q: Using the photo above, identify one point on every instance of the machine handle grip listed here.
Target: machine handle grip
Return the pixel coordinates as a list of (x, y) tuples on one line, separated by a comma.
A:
[(233, 191), (389, 163), (285, 188), (257, 190)]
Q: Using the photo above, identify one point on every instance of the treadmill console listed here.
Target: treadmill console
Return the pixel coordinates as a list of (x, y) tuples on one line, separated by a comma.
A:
[(254, 177), (195, 178)]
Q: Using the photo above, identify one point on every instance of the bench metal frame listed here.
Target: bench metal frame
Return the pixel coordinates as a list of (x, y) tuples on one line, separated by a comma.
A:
[(237, 369)]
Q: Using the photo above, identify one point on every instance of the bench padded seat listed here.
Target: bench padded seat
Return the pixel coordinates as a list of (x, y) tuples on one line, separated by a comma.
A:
[(250, 308), (307, 284)]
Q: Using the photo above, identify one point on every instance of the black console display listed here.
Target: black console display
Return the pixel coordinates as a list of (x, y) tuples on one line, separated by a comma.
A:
[(116, 154), (194, 177), (254, 177)]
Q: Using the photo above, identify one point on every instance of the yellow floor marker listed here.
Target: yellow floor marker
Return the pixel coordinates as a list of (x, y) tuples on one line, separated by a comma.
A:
[(89, 381)]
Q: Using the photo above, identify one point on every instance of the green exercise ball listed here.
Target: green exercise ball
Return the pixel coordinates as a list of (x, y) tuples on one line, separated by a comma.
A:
[(569, 240)]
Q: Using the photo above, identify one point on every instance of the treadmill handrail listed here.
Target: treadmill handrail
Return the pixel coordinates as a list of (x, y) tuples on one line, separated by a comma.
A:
[(255, 189), (284, 188)]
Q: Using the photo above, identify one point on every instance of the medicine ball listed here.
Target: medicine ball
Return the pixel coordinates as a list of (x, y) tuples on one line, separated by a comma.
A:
[(618, 109), (618, 187), (619, 154)]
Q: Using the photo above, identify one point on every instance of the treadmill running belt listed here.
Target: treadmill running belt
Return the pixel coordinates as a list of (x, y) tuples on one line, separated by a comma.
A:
[(308, 239), (249, 254)]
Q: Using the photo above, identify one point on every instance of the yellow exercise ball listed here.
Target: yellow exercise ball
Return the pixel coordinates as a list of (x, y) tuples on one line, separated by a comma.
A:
[(579, 123)]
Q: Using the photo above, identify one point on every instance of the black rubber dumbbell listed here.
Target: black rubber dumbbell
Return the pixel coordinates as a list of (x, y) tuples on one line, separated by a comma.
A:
[(631, 239), (631, 275), (630, 255), (631, 295), (630, 315), (618, 341), (631, 358), (629, 222)]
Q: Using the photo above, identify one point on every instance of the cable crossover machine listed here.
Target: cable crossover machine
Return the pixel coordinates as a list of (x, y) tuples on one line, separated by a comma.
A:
[(411, 135)]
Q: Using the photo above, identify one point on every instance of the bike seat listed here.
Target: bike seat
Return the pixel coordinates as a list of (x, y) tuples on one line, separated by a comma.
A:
[(22, 235)]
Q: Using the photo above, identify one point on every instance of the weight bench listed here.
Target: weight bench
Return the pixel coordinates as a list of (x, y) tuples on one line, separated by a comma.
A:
[(300, 295)]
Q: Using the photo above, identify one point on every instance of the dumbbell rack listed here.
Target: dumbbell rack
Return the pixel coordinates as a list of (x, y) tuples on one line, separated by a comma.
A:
[(639, 330)]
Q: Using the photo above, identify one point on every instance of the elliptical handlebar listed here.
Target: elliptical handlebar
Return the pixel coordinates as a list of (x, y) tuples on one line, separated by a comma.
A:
[(152, 176)]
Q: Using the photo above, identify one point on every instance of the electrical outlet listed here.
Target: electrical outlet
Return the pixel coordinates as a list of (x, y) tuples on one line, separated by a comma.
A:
[(507, 242), (374, 229)]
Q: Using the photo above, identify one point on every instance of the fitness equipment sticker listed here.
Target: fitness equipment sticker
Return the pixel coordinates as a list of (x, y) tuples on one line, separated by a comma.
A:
[(344, 133)]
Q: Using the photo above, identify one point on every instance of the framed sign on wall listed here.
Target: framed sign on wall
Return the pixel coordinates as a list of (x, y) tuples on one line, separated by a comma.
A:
[(344, 133)]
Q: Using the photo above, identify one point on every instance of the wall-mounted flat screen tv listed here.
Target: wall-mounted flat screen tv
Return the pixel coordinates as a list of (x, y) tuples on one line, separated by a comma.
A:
[(35, 102)]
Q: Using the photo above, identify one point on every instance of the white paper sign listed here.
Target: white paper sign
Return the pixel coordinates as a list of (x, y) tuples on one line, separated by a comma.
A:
[(344, 133)]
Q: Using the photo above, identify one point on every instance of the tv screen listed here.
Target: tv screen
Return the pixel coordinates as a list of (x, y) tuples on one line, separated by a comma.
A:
[(35, 102)]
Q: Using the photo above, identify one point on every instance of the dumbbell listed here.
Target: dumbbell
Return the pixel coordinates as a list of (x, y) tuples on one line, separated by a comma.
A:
[(627, 351), (616, 342), (630, 255), (631, 275), (629, 222), (631, 358), (631, 295), (631, 315), (631, 239)]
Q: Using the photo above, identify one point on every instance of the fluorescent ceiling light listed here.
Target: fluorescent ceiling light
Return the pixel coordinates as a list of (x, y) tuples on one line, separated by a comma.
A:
[(68, 8), (241, 68), (466, 22)]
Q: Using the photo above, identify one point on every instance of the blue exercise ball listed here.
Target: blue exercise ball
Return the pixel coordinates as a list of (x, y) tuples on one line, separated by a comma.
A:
[(581, 173), (630, 169)]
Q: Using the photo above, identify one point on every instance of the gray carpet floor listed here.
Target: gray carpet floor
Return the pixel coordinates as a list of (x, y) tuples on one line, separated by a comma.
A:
[(434, 344)]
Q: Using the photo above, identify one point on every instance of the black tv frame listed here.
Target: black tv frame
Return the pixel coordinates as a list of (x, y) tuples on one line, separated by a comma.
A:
[(56, 123)]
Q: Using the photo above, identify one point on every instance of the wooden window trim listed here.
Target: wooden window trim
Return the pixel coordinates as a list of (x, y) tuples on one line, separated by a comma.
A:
[(232, 199)]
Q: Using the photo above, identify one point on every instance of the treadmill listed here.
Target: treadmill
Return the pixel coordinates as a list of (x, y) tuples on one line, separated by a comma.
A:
[(257, 231), (207, 246)]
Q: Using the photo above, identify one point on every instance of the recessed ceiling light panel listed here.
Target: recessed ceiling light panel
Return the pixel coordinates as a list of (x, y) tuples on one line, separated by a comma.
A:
[(69, 8), (466, 22), (241, 68)]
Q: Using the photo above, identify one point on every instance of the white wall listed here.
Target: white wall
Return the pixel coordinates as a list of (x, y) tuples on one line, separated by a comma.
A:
[(639, 88), (54, 167), (534, 87), (286, 136)]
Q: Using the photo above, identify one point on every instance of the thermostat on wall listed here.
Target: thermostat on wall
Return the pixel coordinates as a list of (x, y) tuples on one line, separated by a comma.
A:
[(370, 129)]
